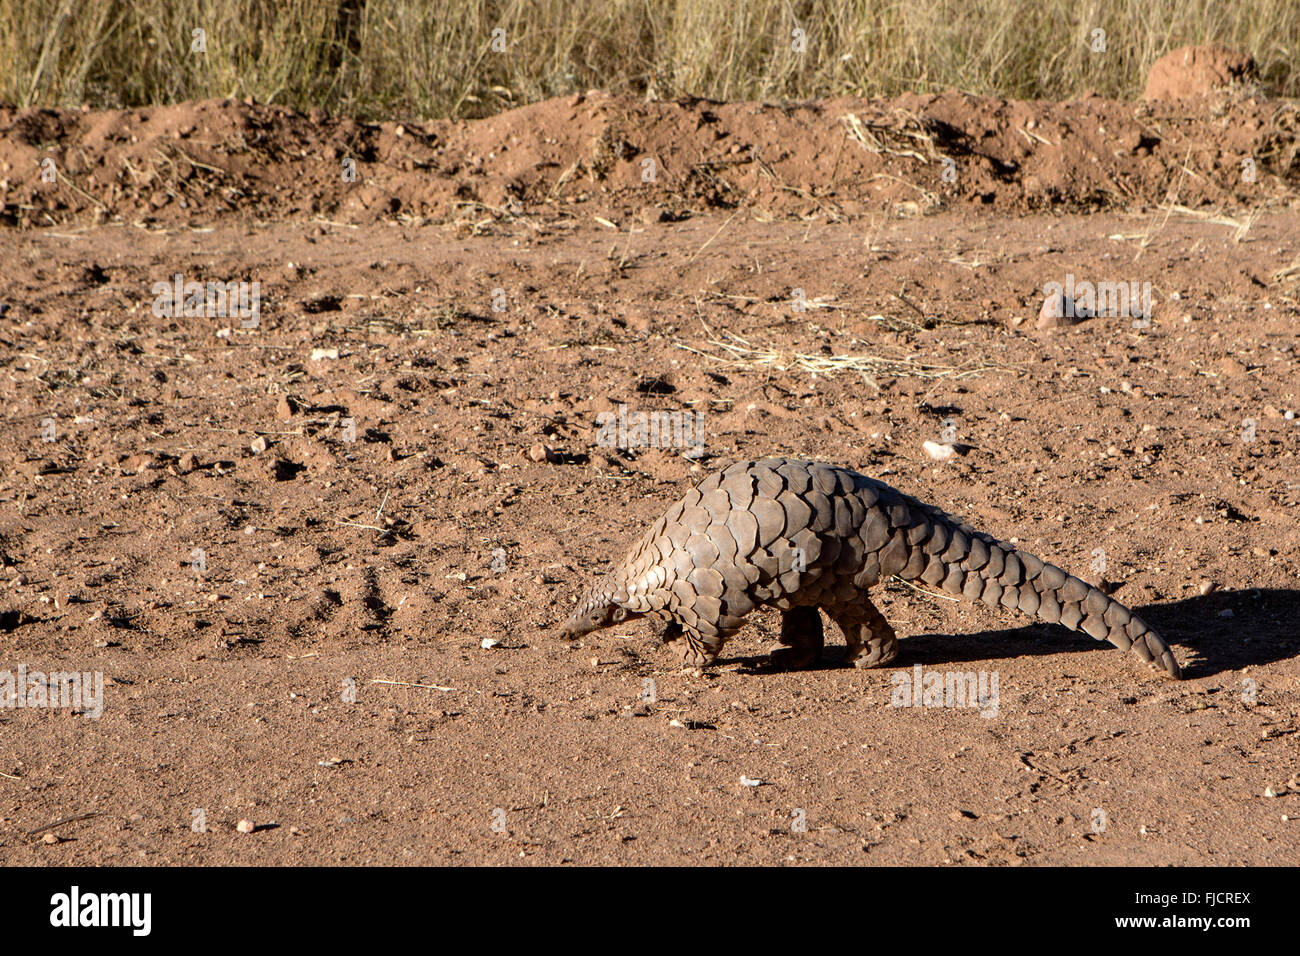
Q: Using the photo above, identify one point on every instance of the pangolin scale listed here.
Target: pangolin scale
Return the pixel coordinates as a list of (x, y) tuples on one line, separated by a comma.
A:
[(802, 535)]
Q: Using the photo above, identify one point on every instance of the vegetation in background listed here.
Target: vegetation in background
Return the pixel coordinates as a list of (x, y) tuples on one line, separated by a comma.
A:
[(419, 59)]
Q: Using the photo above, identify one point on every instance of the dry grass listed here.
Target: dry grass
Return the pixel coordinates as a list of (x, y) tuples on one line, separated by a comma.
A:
[(404, 58), (735, 352)]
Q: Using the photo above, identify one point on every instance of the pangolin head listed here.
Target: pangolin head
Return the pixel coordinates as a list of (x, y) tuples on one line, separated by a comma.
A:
[(602, 607)]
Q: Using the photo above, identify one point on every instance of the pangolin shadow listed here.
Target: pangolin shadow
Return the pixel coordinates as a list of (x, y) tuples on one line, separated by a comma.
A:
[(1263, 627)]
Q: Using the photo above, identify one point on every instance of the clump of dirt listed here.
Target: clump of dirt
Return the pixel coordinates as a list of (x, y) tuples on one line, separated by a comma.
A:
[(622, 159), (1197, 70)]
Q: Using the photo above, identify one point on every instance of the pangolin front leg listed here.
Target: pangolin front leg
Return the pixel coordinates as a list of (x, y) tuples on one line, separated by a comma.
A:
[(801, 632), (796, 535)]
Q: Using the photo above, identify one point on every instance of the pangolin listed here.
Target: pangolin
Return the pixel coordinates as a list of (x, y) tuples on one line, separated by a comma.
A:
[(802, 535)]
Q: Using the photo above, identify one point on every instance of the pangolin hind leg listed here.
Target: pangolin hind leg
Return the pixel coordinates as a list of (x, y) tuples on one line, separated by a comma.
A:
[(871, 641)]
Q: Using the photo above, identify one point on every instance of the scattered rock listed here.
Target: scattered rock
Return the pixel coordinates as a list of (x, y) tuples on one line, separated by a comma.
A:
[(939, 451), (319, 354), (245, 826), (286, 408), (540, 452), (258, 445), (188, 462)]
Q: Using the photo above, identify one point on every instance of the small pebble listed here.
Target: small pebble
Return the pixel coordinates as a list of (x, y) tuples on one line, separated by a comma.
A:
[(189, 461), (245, 826), (939, 451), (258, 445)]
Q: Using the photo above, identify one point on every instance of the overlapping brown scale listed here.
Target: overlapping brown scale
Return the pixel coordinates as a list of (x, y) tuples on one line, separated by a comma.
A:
[(1010, 596), (996, 558), (915, 564), (894, 555), (1119, 637), (735, 582), (770, 516), (955, 581), (874, 532), (702, 549), (938, 540), (765, 560), (868, 572), (1095, 603), (791, 582), (677, 533), (810, 545), (1051, 576), (831, 546), (717, 503), (857, 510), (720, 534), (921, 529), (683, 595), (1048, 608), (1117, 615), (992, 594), (797, 513), (1071, 615), (707, 582), (1032, 564), (823, 480), (1012, 572), (744, 528), (769, 483), (842, 525), (740, 489), (796, 476), (978, 557), (958, 547), (1072, 590), (823, 511), (867, 490), (934, 571)]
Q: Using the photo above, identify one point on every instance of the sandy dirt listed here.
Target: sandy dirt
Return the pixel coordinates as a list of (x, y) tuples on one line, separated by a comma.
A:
[(293, 635)]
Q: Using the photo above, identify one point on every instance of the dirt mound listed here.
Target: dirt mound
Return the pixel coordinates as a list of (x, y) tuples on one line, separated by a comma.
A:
[(1197, 70), (202, 162)]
